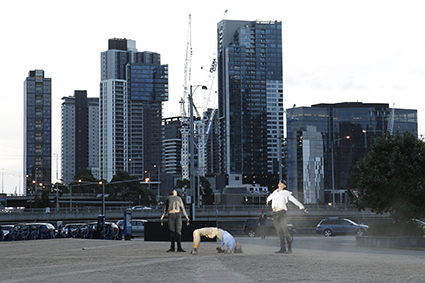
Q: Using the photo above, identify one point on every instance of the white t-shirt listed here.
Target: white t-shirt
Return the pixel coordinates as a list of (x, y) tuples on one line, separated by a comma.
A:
[(280, 199)]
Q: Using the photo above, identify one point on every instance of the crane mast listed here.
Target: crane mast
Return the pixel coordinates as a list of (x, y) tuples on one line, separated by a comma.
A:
[(184, 121), (203, 126), (391, 120)]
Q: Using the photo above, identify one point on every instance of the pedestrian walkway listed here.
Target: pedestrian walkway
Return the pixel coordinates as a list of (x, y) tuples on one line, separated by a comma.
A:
[(80, 260)]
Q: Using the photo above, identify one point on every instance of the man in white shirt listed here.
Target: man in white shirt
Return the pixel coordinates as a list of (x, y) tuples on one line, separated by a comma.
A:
[(279, 200)]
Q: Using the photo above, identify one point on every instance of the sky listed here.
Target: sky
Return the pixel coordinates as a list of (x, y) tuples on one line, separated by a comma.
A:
[(333, 51)]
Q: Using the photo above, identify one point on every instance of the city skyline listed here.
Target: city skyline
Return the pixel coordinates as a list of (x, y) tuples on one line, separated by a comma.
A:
[(333, 52)]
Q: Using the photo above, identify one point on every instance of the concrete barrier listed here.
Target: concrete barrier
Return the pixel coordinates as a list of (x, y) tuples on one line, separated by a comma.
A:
[(391, 242)]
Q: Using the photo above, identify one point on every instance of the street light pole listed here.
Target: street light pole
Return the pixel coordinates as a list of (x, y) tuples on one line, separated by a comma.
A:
[(333, 175), (191, 148), (70, 197), (159, 181), (192, 153), (103, 198)]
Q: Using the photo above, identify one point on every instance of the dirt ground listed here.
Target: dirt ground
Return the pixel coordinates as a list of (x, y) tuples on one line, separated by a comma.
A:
[(79, 260)]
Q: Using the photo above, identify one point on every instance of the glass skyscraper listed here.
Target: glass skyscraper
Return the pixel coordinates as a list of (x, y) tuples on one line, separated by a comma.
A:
[(250, 101), (37, 131), (133, 86), (325, 141)]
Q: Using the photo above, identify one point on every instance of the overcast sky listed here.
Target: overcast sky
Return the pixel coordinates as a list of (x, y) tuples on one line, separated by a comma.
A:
[(333, 51)]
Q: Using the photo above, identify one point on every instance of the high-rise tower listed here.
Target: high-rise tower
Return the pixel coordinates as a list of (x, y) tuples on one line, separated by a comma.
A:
[(37, 131), (250, 100), (133, 86), (80, 134)]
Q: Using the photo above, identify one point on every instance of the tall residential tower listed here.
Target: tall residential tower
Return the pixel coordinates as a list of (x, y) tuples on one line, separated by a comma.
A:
[(133, 86), (37, 131), (80, 135)]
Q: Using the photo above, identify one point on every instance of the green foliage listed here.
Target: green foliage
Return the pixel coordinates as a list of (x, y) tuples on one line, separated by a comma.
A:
[(182, 184), (205, 186), (43, 201), (129, 191), (85, 175), (391, 177)]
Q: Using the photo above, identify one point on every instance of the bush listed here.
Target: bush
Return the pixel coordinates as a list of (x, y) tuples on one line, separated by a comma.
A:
[(409, 229)]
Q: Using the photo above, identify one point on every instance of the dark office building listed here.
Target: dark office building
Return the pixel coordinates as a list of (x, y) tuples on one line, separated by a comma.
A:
[(325, 141), (37, 131), (80, 135), (250, 101)]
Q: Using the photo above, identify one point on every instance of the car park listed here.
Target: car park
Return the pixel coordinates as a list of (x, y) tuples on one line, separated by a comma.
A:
[(252, 229), (333, 226)]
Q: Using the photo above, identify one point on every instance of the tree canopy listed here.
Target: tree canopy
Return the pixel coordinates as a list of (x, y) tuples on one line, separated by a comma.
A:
[(390, 178), (129, 191)]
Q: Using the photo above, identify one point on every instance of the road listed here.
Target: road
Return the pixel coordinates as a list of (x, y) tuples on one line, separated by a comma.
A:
[(314, 259)]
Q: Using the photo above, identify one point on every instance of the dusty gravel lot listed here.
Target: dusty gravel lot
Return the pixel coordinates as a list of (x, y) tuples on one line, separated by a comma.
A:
[(315, 259)]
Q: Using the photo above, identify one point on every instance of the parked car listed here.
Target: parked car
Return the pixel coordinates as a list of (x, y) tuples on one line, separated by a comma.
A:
[(5, 229), (332, 226), (140, 207), (73, 230), (42, 231), (251, 228), (137, 227), (32, 231), (111, 231)]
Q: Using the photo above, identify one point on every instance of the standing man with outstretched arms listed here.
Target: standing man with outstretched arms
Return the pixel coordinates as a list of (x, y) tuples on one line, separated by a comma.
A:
[(279, 200)]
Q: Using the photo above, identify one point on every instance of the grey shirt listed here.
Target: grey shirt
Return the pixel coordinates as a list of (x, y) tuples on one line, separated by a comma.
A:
[(174, 203)]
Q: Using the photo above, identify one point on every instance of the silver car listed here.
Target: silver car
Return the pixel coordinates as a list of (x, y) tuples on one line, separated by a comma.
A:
[(137, 227)]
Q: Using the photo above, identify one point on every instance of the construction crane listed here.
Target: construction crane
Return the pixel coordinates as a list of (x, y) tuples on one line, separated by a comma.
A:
[(391, 121), (203, 125), (184, 162)]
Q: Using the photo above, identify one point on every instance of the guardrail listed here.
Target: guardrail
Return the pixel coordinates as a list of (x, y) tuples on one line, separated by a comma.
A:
[(206, 213)]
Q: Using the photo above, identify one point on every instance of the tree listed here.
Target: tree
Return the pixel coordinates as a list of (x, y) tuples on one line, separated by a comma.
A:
[(129, 191), (205, 187), (391, 177), (43, 201), (182, 184), (83, 177)]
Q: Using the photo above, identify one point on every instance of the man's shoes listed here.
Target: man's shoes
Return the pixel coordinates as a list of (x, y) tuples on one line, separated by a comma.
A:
[(281, 251), (181, 250), (194, 251), (289, 250), (170, 250), (220, 250)]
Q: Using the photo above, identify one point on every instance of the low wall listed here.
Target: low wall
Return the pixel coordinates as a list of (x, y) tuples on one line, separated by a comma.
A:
[(391, 242), (154, 231)]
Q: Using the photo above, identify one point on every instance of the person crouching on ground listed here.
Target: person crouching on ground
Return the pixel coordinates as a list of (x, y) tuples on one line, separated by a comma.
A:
[(228, 243), (279, 199), (173, 205)]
